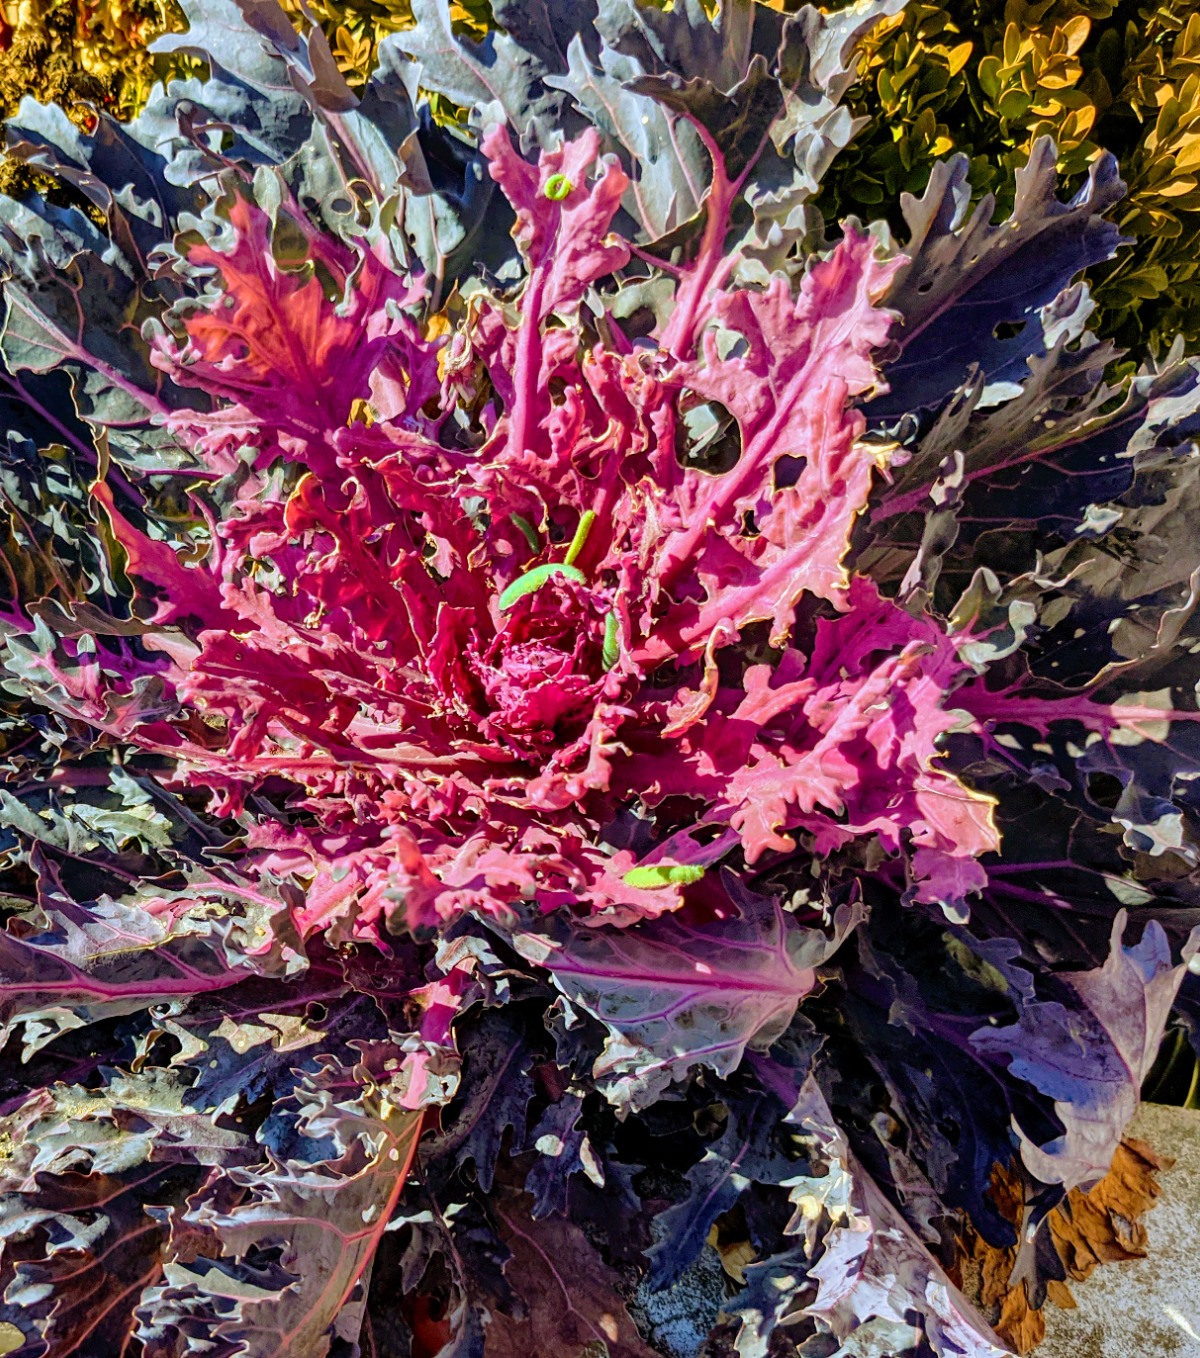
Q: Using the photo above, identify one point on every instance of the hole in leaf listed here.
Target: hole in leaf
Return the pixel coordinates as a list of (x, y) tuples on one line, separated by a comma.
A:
[(1008, 329), (332, 287), (639, 324), (707, 436), (1104, 789), (787, 471)]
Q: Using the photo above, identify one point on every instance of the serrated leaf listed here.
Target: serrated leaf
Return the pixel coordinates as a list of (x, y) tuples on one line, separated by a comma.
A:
[(960, 288), (318, 1226)]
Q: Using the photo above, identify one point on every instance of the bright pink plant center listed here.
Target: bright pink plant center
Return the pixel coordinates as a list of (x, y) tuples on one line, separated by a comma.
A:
[(447, 753)]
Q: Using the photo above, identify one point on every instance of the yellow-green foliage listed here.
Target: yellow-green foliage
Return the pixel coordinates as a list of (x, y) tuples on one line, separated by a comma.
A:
[(80, 51), (986, 79), (82, 54), (356, 27), (92, 52), (979, 76)]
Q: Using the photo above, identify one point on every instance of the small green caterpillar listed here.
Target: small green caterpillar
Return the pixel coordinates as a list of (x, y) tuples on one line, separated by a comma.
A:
[(611, 651), (579, 541), (663, 874), (558, 186), (527, 530), (536, 578)]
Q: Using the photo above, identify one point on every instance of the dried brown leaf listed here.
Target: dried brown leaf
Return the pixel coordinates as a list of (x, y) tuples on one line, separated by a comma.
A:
[(1100, 1226)]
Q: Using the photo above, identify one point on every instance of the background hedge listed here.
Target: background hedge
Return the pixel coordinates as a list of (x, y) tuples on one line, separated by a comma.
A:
[(970, 75), (974, 76)]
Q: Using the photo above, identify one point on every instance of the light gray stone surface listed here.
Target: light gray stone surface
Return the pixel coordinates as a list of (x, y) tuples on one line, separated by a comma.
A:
[(1147, 1308)]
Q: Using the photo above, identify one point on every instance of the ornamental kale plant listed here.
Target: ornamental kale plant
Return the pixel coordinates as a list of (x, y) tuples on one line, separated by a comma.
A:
[(592, 764)]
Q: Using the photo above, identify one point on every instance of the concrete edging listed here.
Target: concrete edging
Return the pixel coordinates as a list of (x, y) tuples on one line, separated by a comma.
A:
[(1146, 1308)]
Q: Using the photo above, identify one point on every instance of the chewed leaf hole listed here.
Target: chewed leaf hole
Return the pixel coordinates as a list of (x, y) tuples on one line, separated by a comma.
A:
[(1104, 789), (1008, 329), (707, 438)]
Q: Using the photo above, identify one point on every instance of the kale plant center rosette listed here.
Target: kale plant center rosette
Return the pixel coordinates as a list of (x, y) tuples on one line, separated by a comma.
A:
[(592, 763)]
